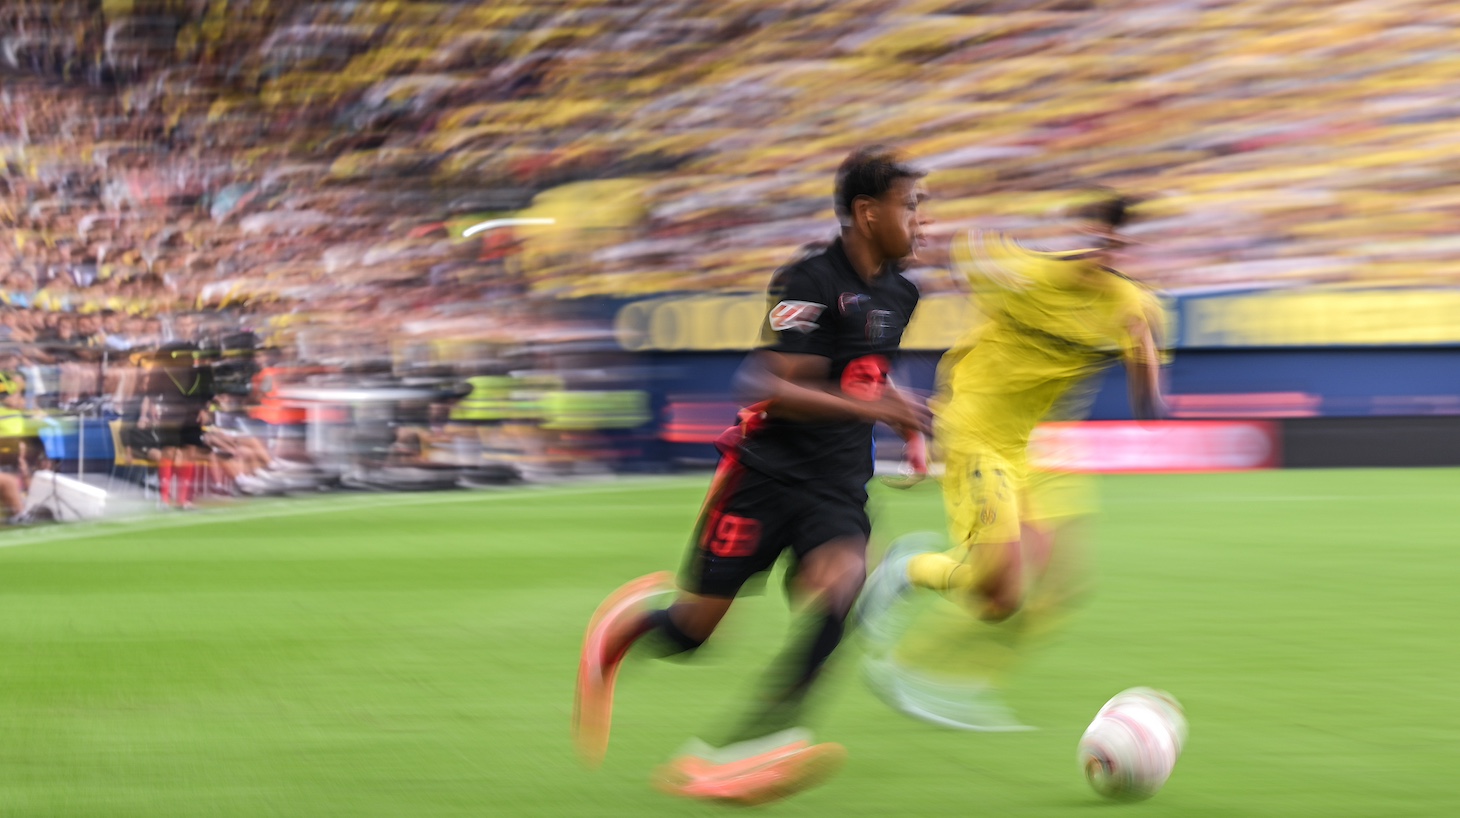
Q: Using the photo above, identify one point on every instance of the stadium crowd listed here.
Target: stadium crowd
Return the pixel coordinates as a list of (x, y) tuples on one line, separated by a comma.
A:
[(175, 171)]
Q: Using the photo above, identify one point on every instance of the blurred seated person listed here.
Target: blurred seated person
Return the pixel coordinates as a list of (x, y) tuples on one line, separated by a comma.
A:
[(235, 451), (283, 421), (20, 448), (416, 444), (176, 391), (12, 496)]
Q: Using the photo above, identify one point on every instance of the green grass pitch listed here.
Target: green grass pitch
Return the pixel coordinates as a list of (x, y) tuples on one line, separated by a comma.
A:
[(414, 656)]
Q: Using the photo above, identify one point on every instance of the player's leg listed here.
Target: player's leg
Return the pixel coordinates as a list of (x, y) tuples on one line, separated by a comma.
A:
[(627, 617), (772, 755), (1057, 515), (728, 548), (948, 669), (982, 494), (166, 469), (986, 563), (1061, 508), (823, 588), (991, 574), (879, 613)]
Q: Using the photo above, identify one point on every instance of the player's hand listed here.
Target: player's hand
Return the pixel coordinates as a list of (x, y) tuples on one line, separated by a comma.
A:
[(905, 417), (915, 453), (914, 463)]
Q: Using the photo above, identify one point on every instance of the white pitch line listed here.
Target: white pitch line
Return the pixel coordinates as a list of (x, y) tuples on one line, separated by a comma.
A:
[(298, 508), (294, 507)]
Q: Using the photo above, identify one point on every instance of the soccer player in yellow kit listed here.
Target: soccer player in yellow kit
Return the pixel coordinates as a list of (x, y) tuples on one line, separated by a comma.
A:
[(1053, 319)]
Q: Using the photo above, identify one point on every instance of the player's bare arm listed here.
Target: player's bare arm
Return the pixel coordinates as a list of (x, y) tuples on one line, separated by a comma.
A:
[(1143, 373), (799, 386)]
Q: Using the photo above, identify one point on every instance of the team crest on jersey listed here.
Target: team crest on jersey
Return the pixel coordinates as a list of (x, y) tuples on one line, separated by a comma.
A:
[(879, 325), (851, 301), (797, 315)]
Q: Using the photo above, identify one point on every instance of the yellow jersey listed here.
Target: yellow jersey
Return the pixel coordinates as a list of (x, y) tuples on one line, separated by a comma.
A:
[(1052, 319)]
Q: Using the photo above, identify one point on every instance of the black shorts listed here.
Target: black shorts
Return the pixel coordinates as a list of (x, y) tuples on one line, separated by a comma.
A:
[(750, 518), (167, 436)]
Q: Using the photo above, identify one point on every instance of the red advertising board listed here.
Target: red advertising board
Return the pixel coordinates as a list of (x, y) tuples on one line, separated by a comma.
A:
[(1156, 446)]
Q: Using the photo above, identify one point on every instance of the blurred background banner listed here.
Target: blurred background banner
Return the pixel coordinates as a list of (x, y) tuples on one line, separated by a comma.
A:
[(734, 322), (1251, 319), (1422, 316), (1115, 447)]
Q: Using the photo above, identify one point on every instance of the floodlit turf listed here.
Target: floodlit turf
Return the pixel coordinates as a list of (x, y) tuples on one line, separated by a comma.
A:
[(414, 656)]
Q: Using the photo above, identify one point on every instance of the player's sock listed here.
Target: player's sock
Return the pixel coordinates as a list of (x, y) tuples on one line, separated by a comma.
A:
[(879, 611), (951, 644), (164, 481), (186, 478), (939, 572), (782, 706), (665, 638), (826, 635)]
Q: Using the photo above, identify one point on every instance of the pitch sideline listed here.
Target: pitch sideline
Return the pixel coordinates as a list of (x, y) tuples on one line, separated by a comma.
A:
[(295, 507)]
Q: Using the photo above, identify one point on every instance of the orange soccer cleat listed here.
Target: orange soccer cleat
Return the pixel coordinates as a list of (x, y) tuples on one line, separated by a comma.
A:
[(593, 705), (777, 773)]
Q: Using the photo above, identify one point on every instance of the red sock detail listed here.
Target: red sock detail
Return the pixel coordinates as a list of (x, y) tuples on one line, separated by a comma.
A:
[(164, 480), (186, 477)]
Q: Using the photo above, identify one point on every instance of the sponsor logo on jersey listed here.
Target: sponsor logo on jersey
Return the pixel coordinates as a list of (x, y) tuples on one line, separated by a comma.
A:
[(879, 325), (797, 315), (851, 301)]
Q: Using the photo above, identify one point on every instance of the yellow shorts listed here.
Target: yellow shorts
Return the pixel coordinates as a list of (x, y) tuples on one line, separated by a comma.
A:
[(1054, 496), (988, 496), (983, 495)]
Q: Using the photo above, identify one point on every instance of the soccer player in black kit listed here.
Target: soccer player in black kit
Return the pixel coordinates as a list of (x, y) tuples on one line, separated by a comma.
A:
[(792, 476)]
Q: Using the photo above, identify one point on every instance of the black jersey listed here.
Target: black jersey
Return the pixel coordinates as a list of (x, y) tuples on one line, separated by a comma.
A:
[(180, 391), (820, 306)]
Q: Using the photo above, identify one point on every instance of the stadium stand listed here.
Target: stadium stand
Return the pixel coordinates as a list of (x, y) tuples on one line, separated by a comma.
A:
[(172, 170)]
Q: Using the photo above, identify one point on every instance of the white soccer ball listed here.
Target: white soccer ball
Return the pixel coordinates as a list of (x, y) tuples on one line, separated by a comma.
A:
[(1130, 748)]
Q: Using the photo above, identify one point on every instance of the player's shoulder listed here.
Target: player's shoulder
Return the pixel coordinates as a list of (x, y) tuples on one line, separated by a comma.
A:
[(1134, 299), (904, 288), (993, 259), (809, 270), (818, 258), (1126, 287)]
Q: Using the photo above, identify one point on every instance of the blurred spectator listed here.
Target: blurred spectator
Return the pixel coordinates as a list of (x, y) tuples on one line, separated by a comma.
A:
[(176, 393), (149, 181)]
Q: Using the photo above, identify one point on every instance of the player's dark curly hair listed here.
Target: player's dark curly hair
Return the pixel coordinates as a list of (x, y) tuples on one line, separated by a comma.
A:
[(1108, 208), (869, 171)]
